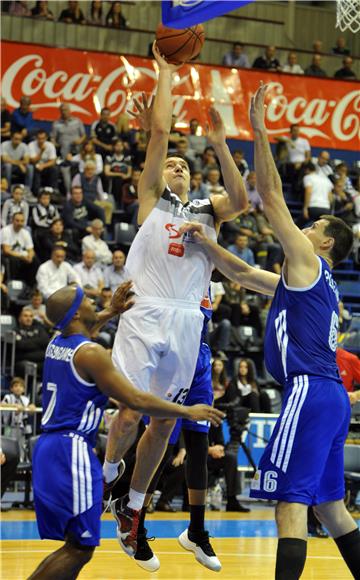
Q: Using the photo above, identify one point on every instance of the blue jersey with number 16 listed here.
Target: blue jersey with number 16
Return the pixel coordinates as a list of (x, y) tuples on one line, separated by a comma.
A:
[(69, 402), (301, 329)]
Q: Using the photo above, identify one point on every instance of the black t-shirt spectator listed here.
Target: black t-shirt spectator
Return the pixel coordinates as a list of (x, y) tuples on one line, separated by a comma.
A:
[(118, 163), (264, 63), (105, 132), (66, 241), (78, 217), (75, 18), (344, 73)]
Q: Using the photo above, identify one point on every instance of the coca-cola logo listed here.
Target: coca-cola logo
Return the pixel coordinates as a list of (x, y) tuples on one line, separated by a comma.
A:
[(345, 123)]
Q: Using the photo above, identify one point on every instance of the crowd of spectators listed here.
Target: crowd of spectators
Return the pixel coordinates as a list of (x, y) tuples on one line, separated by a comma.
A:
[(62, 195), (237, 58)]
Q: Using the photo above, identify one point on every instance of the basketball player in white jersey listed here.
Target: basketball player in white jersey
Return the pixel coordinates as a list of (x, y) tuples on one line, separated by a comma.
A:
[(157, 342)]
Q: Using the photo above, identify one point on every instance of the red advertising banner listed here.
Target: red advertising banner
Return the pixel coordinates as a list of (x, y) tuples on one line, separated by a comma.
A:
[(327, 110)]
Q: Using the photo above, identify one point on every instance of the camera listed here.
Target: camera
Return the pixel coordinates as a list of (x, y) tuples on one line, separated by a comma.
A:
[(237, 418)]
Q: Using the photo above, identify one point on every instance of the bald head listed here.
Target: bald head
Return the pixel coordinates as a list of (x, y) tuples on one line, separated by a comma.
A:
[(59, 303)]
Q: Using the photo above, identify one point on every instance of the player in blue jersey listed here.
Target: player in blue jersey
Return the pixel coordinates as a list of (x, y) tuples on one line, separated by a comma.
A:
[(67, 477), (303, 463)]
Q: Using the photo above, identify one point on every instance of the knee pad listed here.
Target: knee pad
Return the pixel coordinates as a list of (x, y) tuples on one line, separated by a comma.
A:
[(197, 445)]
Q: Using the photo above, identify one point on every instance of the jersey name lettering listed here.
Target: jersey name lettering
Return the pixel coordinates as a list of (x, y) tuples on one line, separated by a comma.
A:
[(59, 352)]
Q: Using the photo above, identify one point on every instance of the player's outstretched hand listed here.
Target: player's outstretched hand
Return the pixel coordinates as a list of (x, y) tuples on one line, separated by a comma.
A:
[(257, 108), (215, 130), (143, 111), (122, 298), (161, 60), (196, 230), (205, 413)]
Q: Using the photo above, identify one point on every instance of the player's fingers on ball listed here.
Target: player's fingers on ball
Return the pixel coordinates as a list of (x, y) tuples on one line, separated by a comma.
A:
[(131, 113), (144, 99)]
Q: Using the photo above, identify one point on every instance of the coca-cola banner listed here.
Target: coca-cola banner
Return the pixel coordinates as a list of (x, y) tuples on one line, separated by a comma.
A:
[(326, 110)]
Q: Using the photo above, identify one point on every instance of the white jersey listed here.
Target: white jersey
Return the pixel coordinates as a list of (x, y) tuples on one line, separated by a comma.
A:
[(164, 264)]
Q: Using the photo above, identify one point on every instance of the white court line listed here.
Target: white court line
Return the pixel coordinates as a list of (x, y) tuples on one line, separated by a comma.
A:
[(222, 554)]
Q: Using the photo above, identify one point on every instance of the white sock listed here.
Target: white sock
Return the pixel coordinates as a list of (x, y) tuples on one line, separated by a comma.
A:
[(110, 470), (136, 499)]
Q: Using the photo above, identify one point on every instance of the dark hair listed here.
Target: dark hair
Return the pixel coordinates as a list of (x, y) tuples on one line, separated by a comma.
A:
[(223, 376), (17, 213), (238, 44), (106, 289), (250, 377), (178, 156), (310, 166), (343, 236), (294, 125), (56, 248), (41, 132), (93, 10), (36, 292)]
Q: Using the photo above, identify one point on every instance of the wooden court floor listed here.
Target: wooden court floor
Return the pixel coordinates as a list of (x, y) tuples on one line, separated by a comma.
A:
[(242, 557)]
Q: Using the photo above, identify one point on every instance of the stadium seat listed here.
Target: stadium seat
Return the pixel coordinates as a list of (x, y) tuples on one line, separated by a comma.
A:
[(18, 292), (124, 234), (8, 338)]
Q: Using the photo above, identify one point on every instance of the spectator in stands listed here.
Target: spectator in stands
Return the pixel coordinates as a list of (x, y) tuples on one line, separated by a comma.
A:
[(22, 119), (344, 205), (299, 150), (244, 386), (96, 13), (91, 185), (42, 154), (107, 333), (314, 69), (182, 149), (346, 71), (5, 122), (115, 17), (240, 162), (253, 194), (219, 336), (19, 8), (249, 316), (16, 423), (93, 242), (57, 236), (42, 10), (68, 132), (38, 309), (234, 295), (342, 172), (16, 204), (31, 341), (318, 46), (78, 213), (197, 141), (4, 290), (4, 189), (90, 274), (221, 457), (208, 160), (174, 136), (323, 166), (116, 274), (292, 65), (43, 214), (268, 60), (15, 158), (129, 196), (198, 189), (72, 14), (318, 194), (236, 57), (340, 47), (103, 133), (117, 169), (87, 153), (56, 273), (241, 249), (213, 181), (18, 249)]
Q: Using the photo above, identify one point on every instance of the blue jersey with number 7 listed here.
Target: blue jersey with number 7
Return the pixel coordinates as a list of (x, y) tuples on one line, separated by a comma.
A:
[(69, 402), (301, 329)]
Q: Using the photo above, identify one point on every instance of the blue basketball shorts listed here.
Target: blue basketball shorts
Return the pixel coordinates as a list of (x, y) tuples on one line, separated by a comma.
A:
[(68, 489), (304, 459), (201, 389)]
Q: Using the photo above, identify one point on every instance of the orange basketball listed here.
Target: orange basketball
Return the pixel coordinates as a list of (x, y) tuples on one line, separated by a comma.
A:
[(180, 45)]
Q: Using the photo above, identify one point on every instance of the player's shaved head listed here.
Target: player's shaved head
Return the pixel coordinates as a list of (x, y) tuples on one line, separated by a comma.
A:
[(59, 303)]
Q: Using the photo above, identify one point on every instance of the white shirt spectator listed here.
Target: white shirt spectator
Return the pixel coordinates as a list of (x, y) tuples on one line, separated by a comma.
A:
[(50, 277), (90, 277), (16, 153), (10, 207), (294, 69), (81, 163), (113, 278), (324, 170), (99, 247), (216, 288), (297, 149), (20, 241), (47, 154), (320, 188)]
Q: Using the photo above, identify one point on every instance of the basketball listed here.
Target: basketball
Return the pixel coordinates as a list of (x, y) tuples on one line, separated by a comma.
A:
[(180, 45)]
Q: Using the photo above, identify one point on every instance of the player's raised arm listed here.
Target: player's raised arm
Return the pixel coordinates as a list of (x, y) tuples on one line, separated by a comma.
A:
[(231, 266), (228, 206), (302, 266), (93, 363), (152, 184)]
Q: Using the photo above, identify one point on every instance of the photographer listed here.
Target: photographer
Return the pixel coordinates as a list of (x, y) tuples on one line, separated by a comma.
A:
[(223, 456)]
